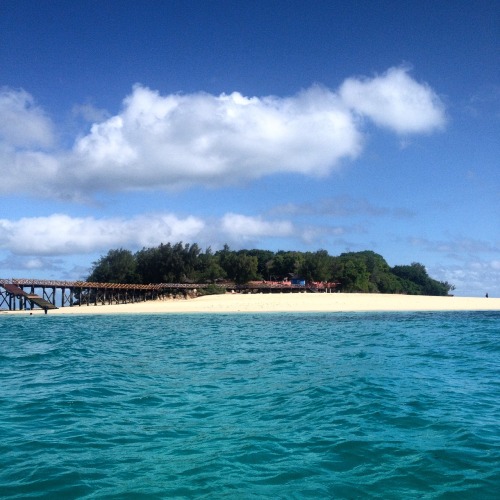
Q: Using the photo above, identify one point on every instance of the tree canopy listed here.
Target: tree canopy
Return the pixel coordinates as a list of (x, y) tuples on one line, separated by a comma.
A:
[(365, 271)]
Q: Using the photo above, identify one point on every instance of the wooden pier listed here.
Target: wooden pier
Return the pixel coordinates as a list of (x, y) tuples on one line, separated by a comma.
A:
[(24, 294), (29, 294)]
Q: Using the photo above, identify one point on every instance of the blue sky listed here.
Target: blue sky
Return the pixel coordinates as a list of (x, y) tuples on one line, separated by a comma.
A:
[(331, 125)]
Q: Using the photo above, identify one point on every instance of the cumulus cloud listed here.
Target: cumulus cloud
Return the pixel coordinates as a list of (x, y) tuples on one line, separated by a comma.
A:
[(64, 235), (32, 264), (243, 227), (396, 101), (176, 141), (22, 122), (180, 140), (472, 278), (471, 274)]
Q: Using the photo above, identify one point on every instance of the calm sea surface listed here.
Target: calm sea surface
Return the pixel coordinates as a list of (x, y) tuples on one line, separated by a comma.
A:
[(362, 405)]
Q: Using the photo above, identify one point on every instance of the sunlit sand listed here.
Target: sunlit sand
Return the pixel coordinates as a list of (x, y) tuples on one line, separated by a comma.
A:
[(286, 302)]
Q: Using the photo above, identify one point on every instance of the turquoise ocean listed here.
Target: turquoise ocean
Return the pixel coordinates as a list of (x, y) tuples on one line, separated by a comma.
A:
[(340, 405)]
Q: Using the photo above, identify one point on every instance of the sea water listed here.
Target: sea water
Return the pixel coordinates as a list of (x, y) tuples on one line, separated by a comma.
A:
[(358, 405)]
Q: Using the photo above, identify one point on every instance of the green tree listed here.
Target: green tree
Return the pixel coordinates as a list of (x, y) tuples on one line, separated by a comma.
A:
[(117, 266), (389, 283), (364, 271), (316, 266), (241, 267), (264, 262), (168, 263), (224, 256), (208, 268), (380, 278), (286, 263), (418, 282), (148, 265), (351, 272)]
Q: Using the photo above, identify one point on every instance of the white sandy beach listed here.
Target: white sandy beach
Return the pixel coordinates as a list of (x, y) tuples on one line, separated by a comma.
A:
[(286, 302)]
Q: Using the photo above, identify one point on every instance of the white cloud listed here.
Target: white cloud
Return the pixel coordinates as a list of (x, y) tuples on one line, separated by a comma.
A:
[(64, 235), (34, 263), (90, 113), (472, 278), (396, 101), (464, 267), (38, 265), (22, 123), (243, 228), (176, 141), (31, 171), (180, 140)]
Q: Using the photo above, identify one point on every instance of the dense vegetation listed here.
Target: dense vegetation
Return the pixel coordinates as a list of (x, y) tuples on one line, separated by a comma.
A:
[(184, 263)]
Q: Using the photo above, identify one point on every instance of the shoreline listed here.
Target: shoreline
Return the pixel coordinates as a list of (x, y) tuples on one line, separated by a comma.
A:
[(296, 302)]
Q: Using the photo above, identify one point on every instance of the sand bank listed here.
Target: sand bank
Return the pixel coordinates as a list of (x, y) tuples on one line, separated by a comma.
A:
[(297, 302)]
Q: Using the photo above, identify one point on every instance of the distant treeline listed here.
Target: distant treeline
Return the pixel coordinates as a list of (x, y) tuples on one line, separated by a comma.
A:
[(364, 271)]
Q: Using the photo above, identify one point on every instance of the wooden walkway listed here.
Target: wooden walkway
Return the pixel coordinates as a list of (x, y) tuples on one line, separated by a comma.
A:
[(32, 299), (26, 294)]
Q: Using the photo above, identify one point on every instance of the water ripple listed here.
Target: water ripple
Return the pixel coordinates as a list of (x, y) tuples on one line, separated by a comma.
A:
[(374, 405)]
